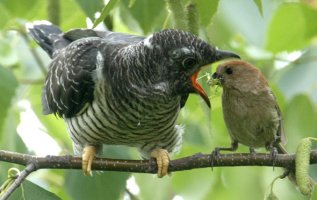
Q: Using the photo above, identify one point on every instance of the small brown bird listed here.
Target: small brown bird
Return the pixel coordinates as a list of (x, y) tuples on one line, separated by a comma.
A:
[(250, 110)]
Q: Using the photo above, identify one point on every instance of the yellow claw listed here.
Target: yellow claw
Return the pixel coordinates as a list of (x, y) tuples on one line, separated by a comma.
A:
[(89, 154), (162, 160)]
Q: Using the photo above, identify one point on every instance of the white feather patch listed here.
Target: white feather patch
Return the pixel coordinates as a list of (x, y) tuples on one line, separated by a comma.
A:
[(147, 42), (99, 65)]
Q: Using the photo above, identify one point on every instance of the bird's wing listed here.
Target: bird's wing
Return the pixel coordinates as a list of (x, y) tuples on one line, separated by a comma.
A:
[(70, 82)]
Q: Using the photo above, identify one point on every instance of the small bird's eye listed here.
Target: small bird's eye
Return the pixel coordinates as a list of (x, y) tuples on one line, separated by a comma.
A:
[(189, 62), (229, 70)]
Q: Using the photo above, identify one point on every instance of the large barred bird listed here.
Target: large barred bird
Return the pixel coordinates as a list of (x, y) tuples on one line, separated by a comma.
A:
[(120, 89)]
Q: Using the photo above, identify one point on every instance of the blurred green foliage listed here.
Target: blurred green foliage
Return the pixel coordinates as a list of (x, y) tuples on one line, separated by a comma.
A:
[(277, 36)]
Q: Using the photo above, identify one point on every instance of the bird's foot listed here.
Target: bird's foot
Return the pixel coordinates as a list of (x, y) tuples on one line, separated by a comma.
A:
[(273, 153), (88, 156), (162, 160), (214, 155), (252, 151), (216, 152), (233, 147)]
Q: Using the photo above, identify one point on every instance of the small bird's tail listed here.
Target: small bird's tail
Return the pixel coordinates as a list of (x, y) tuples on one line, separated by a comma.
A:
[(48, 36)]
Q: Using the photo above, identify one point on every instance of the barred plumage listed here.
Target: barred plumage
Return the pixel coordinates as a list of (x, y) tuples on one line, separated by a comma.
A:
[(115, 88)]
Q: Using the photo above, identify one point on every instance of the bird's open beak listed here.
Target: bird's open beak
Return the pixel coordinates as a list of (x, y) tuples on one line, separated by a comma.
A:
[(220, 55), (199, 89)]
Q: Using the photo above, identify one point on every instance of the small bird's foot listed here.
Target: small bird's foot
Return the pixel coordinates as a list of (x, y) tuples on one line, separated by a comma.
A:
[(214, 155), (274, 153), (216, 152), (252, 151), (88, 156), (162, 160), (233, 147)]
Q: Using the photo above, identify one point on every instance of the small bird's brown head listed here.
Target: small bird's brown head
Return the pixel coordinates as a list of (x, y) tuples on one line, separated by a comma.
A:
[(239, 75)]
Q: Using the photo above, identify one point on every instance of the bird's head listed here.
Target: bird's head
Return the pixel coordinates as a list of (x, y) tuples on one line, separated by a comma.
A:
[(183, 56), (239, 75)]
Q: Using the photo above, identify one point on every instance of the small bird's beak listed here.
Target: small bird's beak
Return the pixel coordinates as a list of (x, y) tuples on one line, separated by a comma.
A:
[(217, 79), (220, 55)]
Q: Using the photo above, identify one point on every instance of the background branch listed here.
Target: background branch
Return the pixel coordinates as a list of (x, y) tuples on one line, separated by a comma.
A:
[(17, 182)]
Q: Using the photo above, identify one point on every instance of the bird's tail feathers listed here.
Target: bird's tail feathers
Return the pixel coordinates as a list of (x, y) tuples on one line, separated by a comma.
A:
[(47, 35)]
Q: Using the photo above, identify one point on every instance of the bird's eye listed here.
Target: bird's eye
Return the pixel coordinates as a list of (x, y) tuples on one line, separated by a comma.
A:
[(229, 70), (189, 62)]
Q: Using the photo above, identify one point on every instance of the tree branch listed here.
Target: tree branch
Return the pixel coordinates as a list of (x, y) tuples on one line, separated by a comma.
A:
[(198, 160), (195, 161)]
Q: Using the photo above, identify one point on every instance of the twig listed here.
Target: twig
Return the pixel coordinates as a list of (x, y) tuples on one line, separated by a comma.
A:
[(192, 18), (31, 167), (177, 10)]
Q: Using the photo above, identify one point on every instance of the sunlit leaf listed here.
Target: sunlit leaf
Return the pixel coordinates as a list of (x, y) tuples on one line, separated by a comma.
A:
[(90, 7), (258, 3), (105, 11), (300, 107), (148, 14), (291, 28), (72, 16), (8, 85), (199, 180), (27, 10), (55, 126), (154, 188), (300, 76), (103, 185), (206, 9)]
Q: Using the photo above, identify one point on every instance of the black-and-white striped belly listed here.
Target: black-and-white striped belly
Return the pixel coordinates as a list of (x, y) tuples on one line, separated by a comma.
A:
[(146, 123)]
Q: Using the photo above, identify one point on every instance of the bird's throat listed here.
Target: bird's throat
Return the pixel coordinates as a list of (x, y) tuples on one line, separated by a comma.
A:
[(198, 88)]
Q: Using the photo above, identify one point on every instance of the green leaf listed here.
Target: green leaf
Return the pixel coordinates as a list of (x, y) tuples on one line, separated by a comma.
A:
[(8, 57), (258, 3), (207, 9), (8, 86), (4, 15), (55, 126), (300, 76), (291, 28), (300, 119), (105, 11), (103, 185), (27, 9), (198, 180), (71, 15), (149, 14), (29, 190), (90, 7), (10, 140), (154, 188)]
